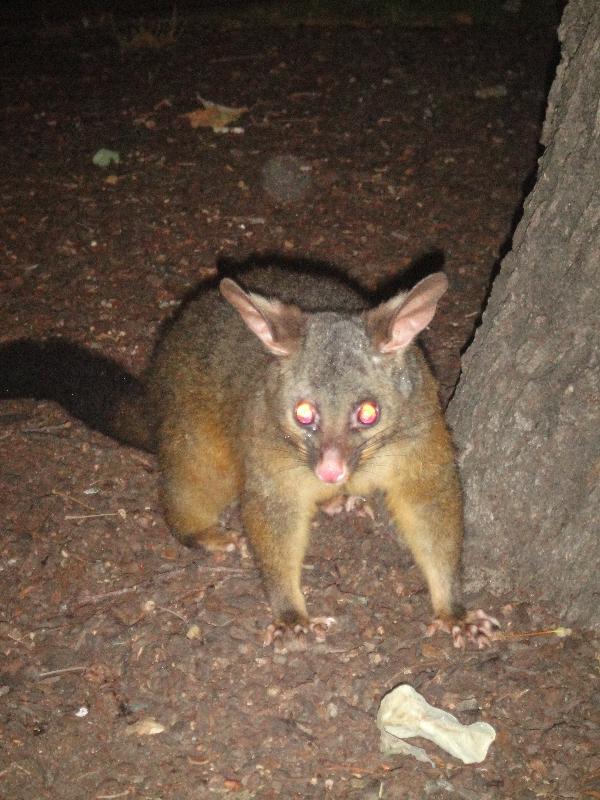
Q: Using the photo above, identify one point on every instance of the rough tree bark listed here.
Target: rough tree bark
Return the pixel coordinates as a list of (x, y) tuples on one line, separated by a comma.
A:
[(526, 412)]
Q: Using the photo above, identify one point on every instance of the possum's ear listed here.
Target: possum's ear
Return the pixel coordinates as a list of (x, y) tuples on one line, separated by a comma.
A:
[(278, 326), (394, 324)]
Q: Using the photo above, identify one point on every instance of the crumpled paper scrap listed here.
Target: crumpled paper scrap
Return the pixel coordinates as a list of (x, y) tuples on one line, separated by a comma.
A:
[(404, 713)]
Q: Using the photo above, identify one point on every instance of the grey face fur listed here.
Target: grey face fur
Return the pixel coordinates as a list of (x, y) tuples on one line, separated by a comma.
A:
[(335, 361), (336, 369)]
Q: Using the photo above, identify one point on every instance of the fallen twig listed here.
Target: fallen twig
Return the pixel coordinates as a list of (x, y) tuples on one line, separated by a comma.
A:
[(174, 613), (98, 598), (52, 672), (48, 429), (14, 766), (72, 499), (355, 769), (560, 632)]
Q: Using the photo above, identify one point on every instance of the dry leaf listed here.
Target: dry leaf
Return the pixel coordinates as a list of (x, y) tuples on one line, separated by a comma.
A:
[(193, 632), (214, 116), (145, 727), (100, 674), (490, 92), (128, 613)]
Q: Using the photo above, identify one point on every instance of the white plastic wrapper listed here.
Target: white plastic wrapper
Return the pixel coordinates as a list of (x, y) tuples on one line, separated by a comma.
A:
[(404, 713)]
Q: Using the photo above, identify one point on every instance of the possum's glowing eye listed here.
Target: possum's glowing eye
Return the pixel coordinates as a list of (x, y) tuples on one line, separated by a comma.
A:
[(367, 413), (305, 413)]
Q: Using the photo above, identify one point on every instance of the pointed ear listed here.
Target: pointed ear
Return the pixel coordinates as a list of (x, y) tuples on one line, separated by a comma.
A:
[(394, 324), (278, 326)]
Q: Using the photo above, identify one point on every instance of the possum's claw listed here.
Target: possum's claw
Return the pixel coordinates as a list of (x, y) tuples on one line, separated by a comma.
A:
[(283, 633), (476, 626)]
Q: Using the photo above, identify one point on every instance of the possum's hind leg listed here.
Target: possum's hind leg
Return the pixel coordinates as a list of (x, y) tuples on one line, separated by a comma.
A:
[(199, 480)]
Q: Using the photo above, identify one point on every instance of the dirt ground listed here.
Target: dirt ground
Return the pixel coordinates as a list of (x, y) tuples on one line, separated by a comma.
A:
[(132, 667)]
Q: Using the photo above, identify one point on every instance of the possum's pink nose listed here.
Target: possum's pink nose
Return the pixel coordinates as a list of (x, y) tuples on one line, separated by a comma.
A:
[(331, 467)]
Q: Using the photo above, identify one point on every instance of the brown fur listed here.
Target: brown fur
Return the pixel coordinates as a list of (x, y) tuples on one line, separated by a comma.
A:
[(220, 397)]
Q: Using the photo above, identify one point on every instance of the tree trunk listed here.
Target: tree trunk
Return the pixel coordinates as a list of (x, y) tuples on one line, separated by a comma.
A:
[(526, 411)]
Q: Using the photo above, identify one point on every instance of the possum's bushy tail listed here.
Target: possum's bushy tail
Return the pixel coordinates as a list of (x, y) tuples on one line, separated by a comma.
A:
[(89, 386)]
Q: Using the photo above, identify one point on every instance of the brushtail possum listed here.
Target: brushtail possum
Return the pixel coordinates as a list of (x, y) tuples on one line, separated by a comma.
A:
[(283, 390)]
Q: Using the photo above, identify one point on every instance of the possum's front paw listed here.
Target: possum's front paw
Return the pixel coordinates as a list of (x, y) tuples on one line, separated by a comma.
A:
[(293, 629), (476, 626), (352, 504)]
